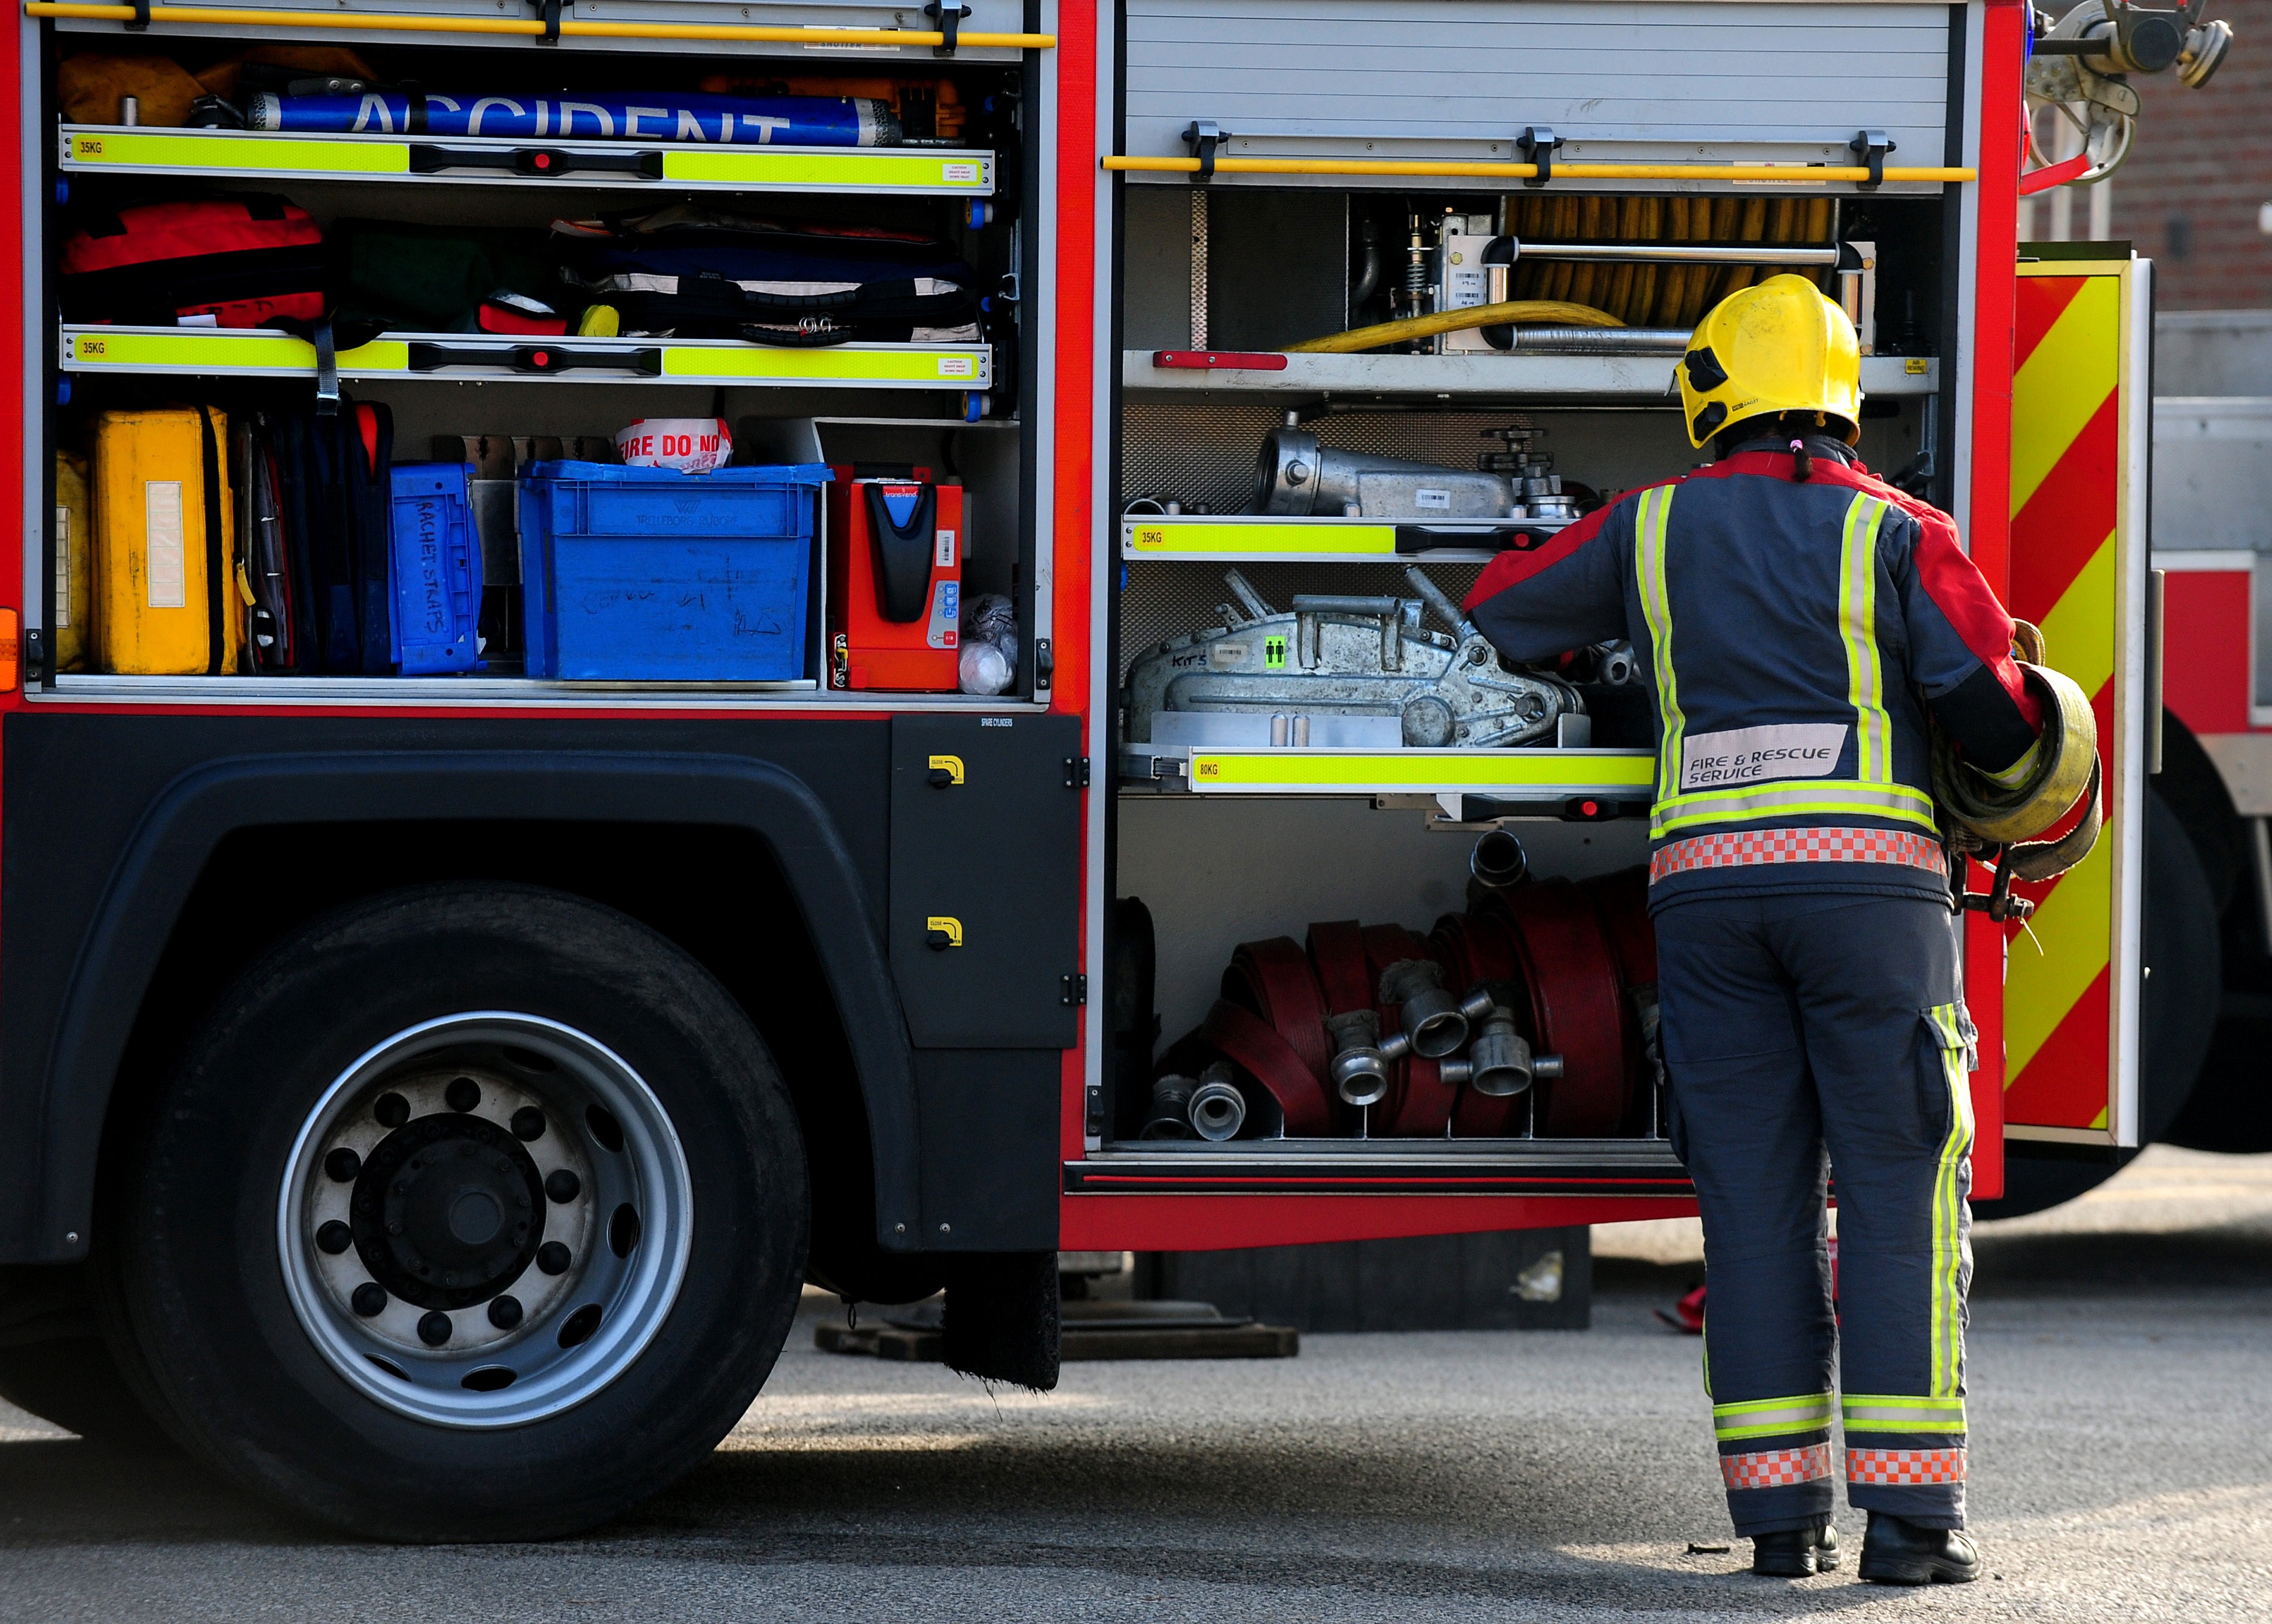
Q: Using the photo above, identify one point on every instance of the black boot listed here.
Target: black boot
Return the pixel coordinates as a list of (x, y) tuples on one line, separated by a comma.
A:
[(1795, 1552), (1895, 1551)]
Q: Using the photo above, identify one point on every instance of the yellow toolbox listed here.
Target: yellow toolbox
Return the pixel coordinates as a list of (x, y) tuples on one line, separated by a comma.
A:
[(74, 565), (164, 544)]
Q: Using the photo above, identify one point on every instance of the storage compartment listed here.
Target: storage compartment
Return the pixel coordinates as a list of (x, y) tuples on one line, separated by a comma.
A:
[(514, 255), (651, 574), (1381, 917)]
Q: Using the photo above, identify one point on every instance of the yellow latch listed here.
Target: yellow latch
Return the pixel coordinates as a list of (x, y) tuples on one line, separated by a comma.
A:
[(943, 932), (945, 772)]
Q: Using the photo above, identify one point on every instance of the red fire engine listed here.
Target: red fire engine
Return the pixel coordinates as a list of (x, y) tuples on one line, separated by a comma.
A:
[(481, 927)]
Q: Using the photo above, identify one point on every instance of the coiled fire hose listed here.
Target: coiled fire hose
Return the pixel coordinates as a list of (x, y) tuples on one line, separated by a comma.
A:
[(1985, 819), (1499, 315)]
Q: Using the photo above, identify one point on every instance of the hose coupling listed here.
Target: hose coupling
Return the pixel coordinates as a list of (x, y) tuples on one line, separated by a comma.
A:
[(1499, 860), (1500, 1061), (1435, 1020), (1217, 1108), (1362, 1056), (1171, 1113)]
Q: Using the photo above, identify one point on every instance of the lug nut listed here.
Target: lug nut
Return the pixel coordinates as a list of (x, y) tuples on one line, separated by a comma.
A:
[(369, 1298), (562, 1186), (504, 1312), (333, 1239), (529, 1123), (342, 1165), (463, 1094), (434, 1329), (391, 1110), (553, 1258)]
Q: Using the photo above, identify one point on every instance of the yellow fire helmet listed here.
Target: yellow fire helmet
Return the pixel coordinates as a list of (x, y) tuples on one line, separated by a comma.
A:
[(1777, 346)]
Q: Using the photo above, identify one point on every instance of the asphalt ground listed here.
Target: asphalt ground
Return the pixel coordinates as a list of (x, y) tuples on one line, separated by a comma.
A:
[(2122, 1374)]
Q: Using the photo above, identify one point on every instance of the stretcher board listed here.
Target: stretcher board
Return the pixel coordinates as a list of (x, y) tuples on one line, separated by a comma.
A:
[(259, 354), (2082, 428), (482, 161)]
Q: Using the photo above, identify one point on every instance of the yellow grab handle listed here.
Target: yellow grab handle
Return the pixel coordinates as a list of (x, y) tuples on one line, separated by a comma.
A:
[(531, 27), (1787, 174)]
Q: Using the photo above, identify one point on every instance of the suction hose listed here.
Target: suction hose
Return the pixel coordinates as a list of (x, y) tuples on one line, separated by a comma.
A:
[(1500, 315)]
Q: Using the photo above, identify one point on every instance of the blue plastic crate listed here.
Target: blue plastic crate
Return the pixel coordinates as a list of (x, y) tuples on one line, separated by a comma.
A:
[(434, 570), (650, 574)]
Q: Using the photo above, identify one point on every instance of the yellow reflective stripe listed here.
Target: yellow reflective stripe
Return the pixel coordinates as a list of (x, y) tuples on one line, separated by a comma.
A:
[(1166, 537), (1791, 798), (1948, 1241), (1656, 607), (2012, 776), (1871, 1412), (1557, 771), (1858, 616), (1766, 1417), (899, 171), (129, 149), (969, 369), (218, 351)]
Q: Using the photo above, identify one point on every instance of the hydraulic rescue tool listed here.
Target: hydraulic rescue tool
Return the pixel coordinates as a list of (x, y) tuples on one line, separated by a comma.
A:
[(1340, 671)]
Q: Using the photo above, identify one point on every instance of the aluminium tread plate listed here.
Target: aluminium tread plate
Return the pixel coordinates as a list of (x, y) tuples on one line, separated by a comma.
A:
[(209, 352), (245, 155), (1635, 1167)]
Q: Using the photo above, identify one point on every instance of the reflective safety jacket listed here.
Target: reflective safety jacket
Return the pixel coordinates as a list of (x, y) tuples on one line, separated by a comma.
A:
[(1792, 634)]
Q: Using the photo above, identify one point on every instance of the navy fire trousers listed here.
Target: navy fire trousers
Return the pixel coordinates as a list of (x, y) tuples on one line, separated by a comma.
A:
[(1808, 1038)]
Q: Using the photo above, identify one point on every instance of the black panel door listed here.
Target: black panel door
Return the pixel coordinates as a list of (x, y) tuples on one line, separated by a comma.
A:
[(986, 878)]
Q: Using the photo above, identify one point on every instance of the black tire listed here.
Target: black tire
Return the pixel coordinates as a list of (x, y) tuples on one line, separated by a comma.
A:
[(72, 1382), (2176, 1009), (192, 1237)]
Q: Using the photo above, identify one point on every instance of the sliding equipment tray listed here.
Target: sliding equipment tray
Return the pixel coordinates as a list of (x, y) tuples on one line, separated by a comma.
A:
[(487, 162), (1244, 538), (1538, 379), (213, 352), (1577, 782)]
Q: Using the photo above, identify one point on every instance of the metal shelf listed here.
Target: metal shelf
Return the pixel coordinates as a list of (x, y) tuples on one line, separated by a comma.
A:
[(479, 161), (1619, 781), (1241, 538), (464, 357), (1579, 379)]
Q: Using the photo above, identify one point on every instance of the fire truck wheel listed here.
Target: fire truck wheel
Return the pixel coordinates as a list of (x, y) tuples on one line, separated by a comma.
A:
[(474, 1213)]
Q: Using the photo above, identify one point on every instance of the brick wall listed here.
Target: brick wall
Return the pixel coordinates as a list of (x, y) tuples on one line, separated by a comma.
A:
[(2198, 173)]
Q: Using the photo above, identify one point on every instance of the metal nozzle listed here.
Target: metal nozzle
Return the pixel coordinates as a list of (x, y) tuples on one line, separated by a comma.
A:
[(1499, 860)]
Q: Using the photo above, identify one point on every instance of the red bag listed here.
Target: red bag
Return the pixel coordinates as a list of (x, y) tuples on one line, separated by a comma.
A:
[(251, 261)]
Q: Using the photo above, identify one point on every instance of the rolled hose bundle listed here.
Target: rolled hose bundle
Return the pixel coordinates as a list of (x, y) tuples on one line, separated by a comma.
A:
[(1987, 816)]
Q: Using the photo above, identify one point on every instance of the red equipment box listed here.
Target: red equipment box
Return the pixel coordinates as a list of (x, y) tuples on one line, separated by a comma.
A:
[(895, 549)]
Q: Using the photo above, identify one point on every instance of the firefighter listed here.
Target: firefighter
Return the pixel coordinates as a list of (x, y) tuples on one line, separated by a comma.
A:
[(1796, 619)]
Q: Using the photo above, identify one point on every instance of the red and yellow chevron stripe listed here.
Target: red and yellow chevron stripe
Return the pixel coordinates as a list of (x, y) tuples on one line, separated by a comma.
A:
[(2069, 421)]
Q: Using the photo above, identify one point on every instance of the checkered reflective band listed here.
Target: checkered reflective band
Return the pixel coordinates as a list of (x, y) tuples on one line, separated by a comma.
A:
[(1891, 1466), (1769, 1469), (1745, 846)]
